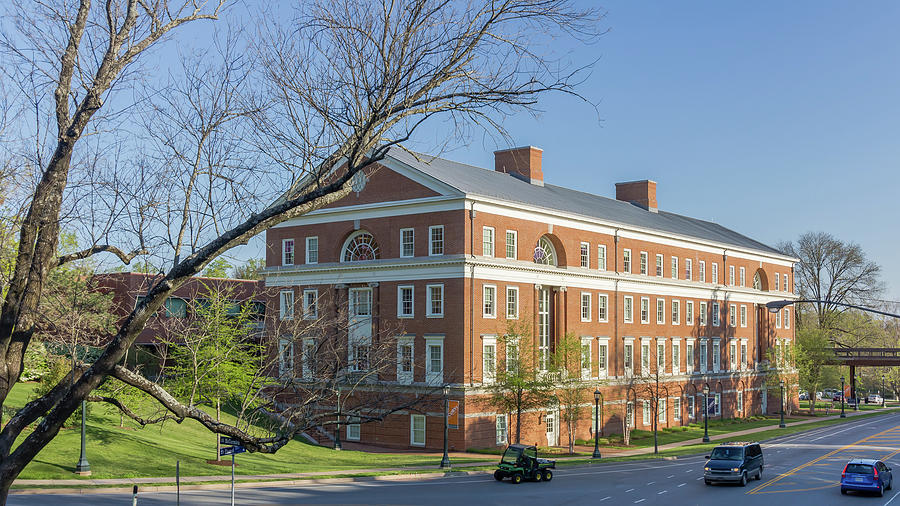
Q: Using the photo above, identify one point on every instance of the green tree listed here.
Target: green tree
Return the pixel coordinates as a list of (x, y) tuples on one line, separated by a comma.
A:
[(216, 357), (519, 385), (568, 360), (811, 357), (218, 268), (249, 270)]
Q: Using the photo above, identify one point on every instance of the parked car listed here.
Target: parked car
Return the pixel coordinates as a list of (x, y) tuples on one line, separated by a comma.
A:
[(875, 399), (804, 396), (734, 462), (836, 397), (866, 475)]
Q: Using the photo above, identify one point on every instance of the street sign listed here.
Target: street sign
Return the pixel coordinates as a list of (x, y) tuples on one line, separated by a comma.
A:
[(228, 441), (231, 450)]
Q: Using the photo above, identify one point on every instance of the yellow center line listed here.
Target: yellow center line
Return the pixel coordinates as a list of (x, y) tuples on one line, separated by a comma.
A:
[(811, 462)]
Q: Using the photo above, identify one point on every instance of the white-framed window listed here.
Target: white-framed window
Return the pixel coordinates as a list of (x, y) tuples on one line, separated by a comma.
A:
[(646, 412), (312, 250), (731, 275), (732, 355), (691, 407), (407, 242), (435, 240), (489, 358), (405, 359), (644, 263), (601, 257), (628, 309), (434, 356), (512, 354), (645, 357), (626, 261), (716, 355), (688, 268), (512, 240), (585, 255), (310, 348), (487, 241), (785, 286), (740, 401), (500, 429), (405, 305), (359, 356), (704, 355), (743, 315), (778, 320), (310, 304), (353, 428), (286, 357), (688, 312), (660, 311), (703, 319), (702, 267), (645, 309), (434, 304), (417, 430), (490, 301), (787, 318), (286, 305), (661, 410), (732, 315), (743, 274), (676, 312), (715, 273), (287, 252), (676, 356), (743, 353), (717, 407), (628, 357), (689, 356), (777, 281), (512, 303), (603, 358), (629, 414), (715, 314), (659, 266), (602, 305), (585, 306), (676, 408), (586, 358), (674, 267), (661, 357)]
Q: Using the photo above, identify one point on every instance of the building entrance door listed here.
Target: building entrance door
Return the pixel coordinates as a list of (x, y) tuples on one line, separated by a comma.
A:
[(552, 421)]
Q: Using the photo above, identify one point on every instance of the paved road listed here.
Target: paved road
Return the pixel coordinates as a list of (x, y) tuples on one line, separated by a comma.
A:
[(800, 469)]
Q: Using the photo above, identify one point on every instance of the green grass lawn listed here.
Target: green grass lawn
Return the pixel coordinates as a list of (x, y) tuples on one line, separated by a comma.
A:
[(115, 452)]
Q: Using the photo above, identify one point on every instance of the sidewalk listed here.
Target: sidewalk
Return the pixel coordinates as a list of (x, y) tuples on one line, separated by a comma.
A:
[(490, 460)]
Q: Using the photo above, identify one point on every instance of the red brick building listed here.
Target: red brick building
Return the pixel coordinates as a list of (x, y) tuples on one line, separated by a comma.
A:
[(453, 253)]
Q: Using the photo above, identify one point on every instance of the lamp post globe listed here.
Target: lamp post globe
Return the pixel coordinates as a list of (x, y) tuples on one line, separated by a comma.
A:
[(597, 395), (705, 412), (842, 398)]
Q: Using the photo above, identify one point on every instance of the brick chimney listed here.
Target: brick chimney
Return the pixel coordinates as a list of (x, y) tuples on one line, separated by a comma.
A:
[(639, 193), (523, 163)]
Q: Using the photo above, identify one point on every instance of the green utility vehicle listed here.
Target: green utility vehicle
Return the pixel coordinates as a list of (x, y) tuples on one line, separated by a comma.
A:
[(520, 462)]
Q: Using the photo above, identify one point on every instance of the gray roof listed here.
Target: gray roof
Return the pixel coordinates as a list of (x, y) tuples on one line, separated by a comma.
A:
[(476, 181)]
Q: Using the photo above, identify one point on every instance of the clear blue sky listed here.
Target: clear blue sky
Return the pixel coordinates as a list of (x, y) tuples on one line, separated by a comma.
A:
[(772, 118)]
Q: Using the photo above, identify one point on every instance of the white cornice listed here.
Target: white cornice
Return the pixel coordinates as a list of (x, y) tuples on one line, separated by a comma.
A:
[(377, 210)]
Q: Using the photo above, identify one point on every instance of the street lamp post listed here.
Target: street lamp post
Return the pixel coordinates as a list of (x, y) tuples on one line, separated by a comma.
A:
[(596, 454), (83, 467), (781, 425), (882, 390), (842, 398), (445, 460), (705, 413), (337, 430)]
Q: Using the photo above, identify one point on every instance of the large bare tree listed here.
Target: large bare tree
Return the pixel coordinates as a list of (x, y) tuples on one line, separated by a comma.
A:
[(335, 87)]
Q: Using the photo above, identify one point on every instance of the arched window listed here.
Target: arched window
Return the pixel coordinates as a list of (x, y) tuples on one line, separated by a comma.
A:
[(544, 252), (757, 283), (359, 247)]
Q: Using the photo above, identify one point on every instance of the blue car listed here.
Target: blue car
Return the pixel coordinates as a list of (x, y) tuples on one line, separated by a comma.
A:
[(866, 475)]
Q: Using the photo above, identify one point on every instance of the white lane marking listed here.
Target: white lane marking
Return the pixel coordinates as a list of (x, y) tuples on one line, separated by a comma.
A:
[(651, 483), (639, 500), (700, 478), (630, 490), (683, 484), (672, 476), (661, 493), (891, 499), (605, 498)]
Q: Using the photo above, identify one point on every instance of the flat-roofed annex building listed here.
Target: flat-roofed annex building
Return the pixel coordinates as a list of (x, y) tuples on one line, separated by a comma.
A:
[(453, 253)]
